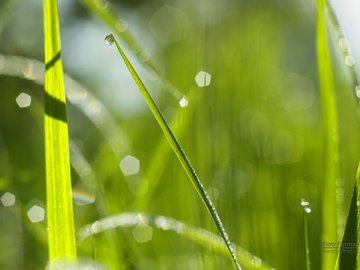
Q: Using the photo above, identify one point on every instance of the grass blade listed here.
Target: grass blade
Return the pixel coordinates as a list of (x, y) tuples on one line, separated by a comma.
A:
[(306, 211), (330, 129), (201, 236), (177, 149), (60, 219)]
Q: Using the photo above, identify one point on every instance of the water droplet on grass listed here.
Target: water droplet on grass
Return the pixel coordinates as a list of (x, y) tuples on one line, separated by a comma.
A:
[(357, 91), (109, 40), (306, 205), (304, 202), (344, 45), (349, 60)]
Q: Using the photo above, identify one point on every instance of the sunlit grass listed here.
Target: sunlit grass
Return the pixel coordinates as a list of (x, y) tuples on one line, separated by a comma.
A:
[(58, 182), (266, 131)]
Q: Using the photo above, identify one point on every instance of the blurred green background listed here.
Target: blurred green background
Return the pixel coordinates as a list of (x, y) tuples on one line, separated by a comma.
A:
[(253, 132)]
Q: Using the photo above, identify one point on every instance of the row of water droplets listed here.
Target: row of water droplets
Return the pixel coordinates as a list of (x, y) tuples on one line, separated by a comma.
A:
[(345, 49), (306, 205), (349, 59)]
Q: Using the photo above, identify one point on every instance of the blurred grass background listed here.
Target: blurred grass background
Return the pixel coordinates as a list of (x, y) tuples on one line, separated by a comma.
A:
[(254, 134)]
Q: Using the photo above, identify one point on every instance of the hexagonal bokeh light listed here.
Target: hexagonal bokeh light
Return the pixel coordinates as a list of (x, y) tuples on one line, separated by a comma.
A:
[(36, 214), (23, 100), (8, 199), (203, 79), (129, 165)]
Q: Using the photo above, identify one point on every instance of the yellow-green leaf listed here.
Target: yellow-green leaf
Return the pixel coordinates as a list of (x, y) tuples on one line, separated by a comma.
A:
[(62, 245)]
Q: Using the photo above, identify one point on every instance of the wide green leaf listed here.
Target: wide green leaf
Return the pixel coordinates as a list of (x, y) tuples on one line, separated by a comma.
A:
[(62, 245)]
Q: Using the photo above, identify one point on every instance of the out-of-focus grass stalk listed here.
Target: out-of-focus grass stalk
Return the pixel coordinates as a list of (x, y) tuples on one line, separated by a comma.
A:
[(102, 9), (62, 244), (306, 211), (330, 129), (177, 149)]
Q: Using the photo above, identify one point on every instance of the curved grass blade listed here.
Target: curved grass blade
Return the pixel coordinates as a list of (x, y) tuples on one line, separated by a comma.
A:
[(330, 204), (102, 9), (177, 149), (60, 219), (77, 94), (201, 236)]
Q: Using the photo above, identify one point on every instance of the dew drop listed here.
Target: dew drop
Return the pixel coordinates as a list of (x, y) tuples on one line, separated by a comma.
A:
[(303, 202), (349, 60), (344, 45), (357, 91), (109, 40), (307, 209)]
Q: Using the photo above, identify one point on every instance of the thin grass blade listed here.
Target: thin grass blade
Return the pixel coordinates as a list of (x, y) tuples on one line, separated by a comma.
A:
[(62, 245), (177, 149), (306, 211)]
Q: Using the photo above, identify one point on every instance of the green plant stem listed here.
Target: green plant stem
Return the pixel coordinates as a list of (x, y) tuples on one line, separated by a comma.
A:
[(179, 153), (306, 241)]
